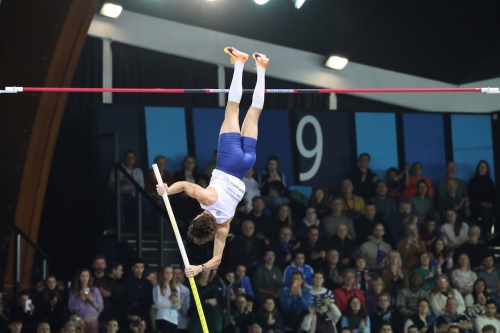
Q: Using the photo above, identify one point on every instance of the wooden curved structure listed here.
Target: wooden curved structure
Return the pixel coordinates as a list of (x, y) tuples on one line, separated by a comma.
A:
[(39, 44)]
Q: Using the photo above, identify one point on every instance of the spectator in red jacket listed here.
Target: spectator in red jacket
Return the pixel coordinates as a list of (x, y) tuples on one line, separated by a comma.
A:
[(347, 290)]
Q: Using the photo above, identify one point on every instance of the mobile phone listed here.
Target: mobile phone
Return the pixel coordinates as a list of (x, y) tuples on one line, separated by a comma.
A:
[(86, 290), (27, 305), (135, 323)]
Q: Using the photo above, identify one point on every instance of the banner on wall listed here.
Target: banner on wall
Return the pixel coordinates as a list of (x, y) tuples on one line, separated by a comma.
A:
[(323, 147)]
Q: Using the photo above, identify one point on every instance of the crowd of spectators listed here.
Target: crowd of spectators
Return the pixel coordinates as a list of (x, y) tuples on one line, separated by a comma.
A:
[(385, 253)]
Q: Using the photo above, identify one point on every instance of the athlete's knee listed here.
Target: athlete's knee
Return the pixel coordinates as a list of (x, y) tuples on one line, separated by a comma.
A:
[(232, 107)]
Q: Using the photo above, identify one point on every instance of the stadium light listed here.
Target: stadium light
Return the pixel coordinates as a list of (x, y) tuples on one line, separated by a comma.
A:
[(111, 10), (299, 3), (261, 2), (336, 62)]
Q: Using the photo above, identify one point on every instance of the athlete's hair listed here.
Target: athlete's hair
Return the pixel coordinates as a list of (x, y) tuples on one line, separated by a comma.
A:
[(203, 229)]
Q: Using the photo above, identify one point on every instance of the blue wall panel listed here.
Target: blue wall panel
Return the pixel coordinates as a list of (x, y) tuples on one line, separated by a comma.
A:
[(472, 142), (376, 135), (166, 135), (424, 142), (274, 138)]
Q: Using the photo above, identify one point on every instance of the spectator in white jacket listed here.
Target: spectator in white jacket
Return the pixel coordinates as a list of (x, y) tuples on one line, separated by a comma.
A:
[(166, 298), (441, 292), (185, 298)]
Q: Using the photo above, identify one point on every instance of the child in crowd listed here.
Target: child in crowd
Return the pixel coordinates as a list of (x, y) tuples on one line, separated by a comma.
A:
[(363, 276), (428, 233)]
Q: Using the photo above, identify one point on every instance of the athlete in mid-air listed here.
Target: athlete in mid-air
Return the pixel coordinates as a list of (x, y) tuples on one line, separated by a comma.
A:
[(235, 157)]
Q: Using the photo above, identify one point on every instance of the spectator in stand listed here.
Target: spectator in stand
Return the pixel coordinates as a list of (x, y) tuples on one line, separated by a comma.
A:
[(116, 271), (44, 327), (489, 329), (365, 224), (411, 182), (475, 248), (427, 270), (20, 311), (107, 286), (268, 316), (151, 275), (51, 302), (268, 279), (476, 300), (395, 277), (78, 324), (481, 191), (398, 226), (166, 298), (375, 250), (283, 248), (385, 206), (264, 225), (211, 165), (127, 189), (355, 316), (423, 320), (138, 291), (3, 319), (282, 218), (251, 188), (333, 270), (214, 315), (443, 291), (394, 186), (313, 248), (455, 232), (384, 313), (343, 244), (299, 265), (407, 302), (411, 246), (319, 200), (453, 317), (188, 207), (246, 247), (453, 200), (85, 300), (255, 328), (363, 275), (440, 253), (451, 170), (428, 232), (353, 204), (422, 203), (295, 301), (331, 222), (372, 294), (15, 325), (241, 284), (150, 178), (463, 278), (363, 179), (311, 219), (489, 273), (347, 290), (489, 318), (138, 325), (184, 297), (323, 313), (272, 184)]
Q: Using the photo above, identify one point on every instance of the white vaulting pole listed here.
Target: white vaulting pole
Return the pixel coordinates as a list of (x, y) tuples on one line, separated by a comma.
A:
[(183, 251)]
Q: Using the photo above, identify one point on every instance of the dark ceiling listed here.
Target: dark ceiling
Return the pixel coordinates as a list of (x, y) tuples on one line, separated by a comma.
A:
[(450, 41)]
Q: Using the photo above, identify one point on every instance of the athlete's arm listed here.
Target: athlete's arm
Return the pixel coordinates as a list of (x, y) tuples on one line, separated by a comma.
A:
[(193, 190), (219, 243)]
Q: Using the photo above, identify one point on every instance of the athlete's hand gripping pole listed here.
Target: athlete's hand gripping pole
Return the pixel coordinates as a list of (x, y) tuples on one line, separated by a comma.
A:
[(183, 251)]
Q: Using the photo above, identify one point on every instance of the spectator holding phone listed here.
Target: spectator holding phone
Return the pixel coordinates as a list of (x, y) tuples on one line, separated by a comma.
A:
[(85, 300), (166, 298), (24, 310)]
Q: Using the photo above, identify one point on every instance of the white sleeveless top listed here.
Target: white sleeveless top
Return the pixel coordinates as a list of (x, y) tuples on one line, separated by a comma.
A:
[(230, 191)]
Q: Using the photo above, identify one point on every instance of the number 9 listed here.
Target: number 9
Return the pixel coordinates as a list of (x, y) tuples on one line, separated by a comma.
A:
[(316, 151)]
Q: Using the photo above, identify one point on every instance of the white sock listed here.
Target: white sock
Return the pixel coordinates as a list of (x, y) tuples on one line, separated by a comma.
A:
[(236, 88), (258, 94)]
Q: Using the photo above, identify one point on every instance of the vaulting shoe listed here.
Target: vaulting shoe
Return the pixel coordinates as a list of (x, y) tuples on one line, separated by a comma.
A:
[(236, 55), (260, 59)]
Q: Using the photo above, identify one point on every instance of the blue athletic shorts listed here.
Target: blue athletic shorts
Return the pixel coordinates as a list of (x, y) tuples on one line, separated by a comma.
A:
[(235, 154)]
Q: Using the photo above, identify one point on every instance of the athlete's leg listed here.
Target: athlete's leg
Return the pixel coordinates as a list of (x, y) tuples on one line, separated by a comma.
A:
[(231, 119), (250, 124)]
